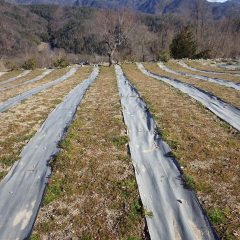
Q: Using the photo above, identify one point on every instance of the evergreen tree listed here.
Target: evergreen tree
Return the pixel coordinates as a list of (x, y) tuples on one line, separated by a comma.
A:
[(183, 45)]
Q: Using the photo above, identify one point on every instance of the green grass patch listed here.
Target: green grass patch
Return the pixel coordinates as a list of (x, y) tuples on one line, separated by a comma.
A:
[(136, 209), (204, 187), (9, 159), (86, 236), (217, 216), (54, 191), (35, 237), (120, 141), (189, 181), (66, 142)]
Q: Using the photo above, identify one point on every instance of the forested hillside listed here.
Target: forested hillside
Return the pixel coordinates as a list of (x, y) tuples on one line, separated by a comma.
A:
[(28, 30), (186, 7), (20, 29)]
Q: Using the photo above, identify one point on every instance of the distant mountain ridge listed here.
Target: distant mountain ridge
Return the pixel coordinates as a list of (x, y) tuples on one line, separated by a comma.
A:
[(146, 6), (24, 27)]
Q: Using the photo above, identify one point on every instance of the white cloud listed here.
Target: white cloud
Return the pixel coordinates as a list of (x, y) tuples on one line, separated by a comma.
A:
[(217, 0)]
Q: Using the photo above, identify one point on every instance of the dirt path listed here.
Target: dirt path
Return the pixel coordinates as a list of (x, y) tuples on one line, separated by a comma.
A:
[(93, 193), (207, 149)]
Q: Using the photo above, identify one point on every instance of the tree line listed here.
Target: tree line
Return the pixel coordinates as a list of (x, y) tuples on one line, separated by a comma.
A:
[(100, 35)]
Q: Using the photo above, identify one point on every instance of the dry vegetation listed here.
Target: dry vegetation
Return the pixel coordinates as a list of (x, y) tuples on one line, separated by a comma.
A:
[(227, 94), (6, 94), (206, 147), (210, 67), (46, 31), (93, 193), (227, 77), (9, 75), (29, 76), (19, 123)]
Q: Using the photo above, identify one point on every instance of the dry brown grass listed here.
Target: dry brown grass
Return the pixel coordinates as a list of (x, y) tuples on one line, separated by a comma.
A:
[(206, 147), (6, 94), (19, 123), (227, 94), (210, 67), (29, 76), (93, 193), (227, 77), (10, 75)]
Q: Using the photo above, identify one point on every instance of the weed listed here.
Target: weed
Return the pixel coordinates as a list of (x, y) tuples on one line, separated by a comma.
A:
[(2, 174), (66, 143), (204, 187), (173, 144), (120, 141), (9, 159), (165, 134), (136, 209), (225, 125), (54, 190), (200, 105), (35, 237), (217, 216), (189, 181), (57, 101), (227, 235), (148, 213), (86, 236)]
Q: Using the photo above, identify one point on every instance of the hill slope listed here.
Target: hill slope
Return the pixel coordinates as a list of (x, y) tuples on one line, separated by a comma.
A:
[(20, 29), (67, 28), (182, 7)]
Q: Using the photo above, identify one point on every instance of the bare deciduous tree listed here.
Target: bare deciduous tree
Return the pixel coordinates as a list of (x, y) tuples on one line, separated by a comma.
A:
[(114, 28)]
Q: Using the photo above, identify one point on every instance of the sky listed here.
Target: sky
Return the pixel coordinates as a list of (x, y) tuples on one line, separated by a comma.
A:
[(217, 0)]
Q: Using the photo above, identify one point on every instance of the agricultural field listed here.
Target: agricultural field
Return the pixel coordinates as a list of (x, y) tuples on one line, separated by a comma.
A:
[(129, 152)]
